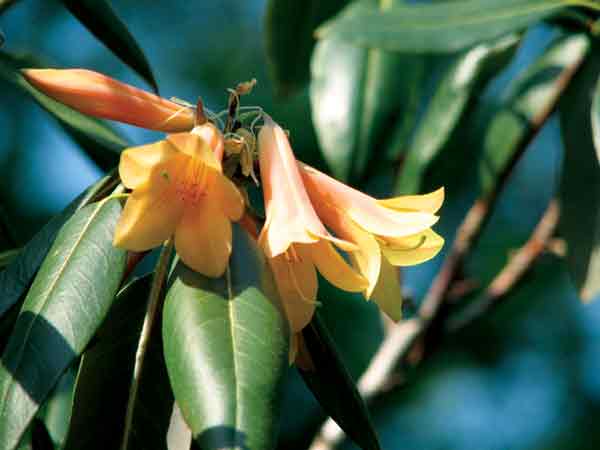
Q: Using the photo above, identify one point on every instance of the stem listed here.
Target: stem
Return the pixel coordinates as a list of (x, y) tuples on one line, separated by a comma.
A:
[(154, 301)]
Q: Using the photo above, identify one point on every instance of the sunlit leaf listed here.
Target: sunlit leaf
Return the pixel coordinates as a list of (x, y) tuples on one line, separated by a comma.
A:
[(226, 348), (458, 89), (56, 412), (356, 94), (98, 139), (291, 24), (67, 302), (444, 26), (16, 278), (580, 180), (334, 388), (532, 97), (98, 420), (99, 17)]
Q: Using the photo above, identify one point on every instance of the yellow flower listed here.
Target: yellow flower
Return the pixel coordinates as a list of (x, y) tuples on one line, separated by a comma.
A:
[(179, 189), (97, 95), (293, 237), (391, 232)]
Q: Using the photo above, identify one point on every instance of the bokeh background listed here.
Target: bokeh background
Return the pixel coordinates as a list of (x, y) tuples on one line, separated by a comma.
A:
[(527, 376)]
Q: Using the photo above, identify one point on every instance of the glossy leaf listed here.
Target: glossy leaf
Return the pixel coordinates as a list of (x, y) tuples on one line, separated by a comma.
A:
[(98, 420), (18, 275), (459, 88), (101, 20), (226, 348), (356, 94), (445, 26), (98, 139), (580, 181), (334, 388), (532, 97), (67, 302), (291, 24)]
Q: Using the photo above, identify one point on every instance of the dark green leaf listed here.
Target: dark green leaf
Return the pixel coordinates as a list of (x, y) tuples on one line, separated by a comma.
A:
[(334, 388), (356, 94), (291, 24), (440, 27), (459, 88), (532, 98), (99, 140), (16, 278), (67, 302), (99, 17), (98, 419), (580, 180), (226, 348), (56, 412), (8, 256)]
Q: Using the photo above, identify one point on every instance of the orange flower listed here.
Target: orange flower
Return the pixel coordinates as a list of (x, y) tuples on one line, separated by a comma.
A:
[(392, 232), (179, 189), (97, 95), (293, 237)]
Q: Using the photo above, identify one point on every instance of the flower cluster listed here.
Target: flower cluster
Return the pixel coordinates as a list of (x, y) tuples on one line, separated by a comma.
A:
[(313, 222)]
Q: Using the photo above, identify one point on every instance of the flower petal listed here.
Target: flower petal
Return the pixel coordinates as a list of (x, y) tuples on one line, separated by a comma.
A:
[(137, 163), (297, 286), (363, 209), (412, 250), (150, 215), (203, 238), (429, 203), (387, 293), (334, 268), (196, 147), (228, 196)]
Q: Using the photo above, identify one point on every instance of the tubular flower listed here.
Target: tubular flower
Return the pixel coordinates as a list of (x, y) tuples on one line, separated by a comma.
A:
[(391, 232), (179, 189), (293, 238), (97, 95)]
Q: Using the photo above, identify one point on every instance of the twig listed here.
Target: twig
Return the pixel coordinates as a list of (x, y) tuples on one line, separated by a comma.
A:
[(520, 263), (397, 344), (153, 306)]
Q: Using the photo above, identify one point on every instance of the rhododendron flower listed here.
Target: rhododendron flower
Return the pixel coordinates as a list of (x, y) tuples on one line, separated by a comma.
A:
[(293, 238), (100, 96), (179, 189), (391, 232)]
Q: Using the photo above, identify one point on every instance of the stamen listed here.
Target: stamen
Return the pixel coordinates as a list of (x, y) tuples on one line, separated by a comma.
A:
[(195, 182)]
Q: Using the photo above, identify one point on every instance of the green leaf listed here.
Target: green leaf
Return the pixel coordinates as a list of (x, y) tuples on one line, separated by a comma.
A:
[(580, 180), (101, 20), (226, 348), (531, 99), (356, 94), (445, 26), (334, 388), (101, 143), (17, 277), (107, 366), (56, 411), (290, 24), (458, 90), (67, 302)]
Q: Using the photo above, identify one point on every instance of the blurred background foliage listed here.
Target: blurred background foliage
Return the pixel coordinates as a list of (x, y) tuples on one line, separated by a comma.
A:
[(525, 376)]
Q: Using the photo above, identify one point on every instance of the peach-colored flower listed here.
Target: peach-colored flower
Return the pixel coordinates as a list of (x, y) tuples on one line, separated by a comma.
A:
[(179, 189), (391, 232), (293, 238), (97, 95)]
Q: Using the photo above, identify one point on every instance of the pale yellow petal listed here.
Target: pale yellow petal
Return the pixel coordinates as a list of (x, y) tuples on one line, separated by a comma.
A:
[(429, 203), (296, 282), (413, 249), (228, 196), (150, 216), (387, 293), (196, 147), (203, 238), (334, 268), (137, 163)]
